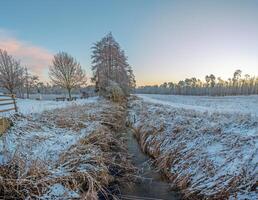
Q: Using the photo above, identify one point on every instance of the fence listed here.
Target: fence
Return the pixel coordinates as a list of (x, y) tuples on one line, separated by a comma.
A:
[(8, 102)]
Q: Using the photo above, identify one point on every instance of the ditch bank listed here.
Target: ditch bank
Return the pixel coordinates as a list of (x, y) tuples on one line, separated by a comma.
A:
[(70, 153), (149, 184), (203, 155)]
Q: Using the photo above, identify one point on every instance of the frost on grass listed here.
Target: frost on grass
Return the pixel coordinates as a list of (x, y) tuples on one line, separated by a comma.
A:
[(64, 153), (205, 154)]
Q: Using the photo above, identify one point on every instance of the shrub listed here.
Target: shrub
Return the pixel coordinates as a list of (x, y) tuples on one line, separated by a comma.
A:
[(114, 92)]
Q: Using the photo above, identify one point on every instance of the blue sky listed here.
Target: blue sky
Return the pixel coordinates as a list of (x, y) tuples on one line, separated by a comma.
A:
[(164, 40)]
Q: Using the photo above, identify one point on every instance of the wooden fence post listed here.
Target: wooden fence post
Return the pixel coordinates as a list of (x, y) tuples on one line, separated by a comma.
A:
[(2, 128), (14, 103), (4, 125)]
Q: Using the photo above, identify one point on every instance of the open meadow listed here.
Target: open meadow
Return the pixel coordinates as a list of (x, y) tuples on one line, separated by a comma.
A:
[(222, 104)]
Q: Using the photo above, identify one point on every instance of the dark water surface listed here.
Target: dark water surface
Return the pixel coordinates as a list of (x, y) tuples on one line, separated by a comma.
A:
[(151, 185)]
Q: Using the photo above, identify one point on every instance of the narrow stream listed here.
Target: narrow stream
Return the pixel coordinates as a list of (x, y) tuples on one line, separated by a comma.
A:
[(150, 186)]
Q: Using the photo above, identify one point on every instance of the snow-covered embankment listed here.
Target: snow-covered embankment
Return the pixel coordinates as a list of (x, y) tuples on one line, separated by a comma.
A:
[(204, 153), (64, 153)]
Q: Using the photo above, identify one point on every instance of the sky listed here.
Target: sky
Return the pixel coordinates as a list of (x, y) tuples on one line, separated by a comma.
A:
[(165, 40)]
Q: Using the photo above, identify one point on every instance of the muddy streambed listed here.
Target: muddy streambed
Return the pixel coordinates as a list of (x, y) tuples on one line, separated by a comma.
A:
[(150, 185)]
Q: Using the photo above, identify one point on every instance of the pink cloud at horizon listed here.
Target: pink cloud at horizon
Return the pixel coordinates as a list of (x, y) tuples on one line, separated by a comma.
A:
[(37, 59)]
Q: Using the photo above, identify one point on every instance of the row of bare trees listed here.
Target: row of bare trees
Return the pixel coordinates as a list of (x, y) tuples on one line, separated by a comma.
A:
[(237, 85), (65, 72), (109, 65)]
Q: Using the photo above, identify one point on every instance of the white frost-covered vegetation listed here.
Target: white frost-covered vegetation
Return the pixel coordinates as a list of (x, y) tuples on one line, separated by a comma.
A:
[(206, 154), (65, 153)]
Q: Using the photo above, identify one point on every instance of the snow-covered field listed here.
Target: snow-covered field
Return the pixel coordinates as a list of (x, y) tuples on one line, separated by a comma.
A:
[(28, 106), (236, 104), (207, 146)]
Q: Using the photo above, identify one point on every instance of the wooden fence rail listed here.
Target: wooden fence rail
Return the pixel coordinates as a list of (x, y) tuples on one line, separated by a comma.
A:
[(6, 100)]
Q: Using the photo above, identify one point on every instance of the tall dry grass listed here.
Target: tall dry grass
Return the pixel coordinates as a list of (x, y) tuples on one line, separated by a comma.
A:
[(93, 167), (179, 142)]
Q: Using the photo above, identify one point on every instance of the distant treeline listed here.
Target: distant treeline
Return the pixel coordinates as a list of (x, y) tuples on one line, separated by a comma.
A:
[(237, 85), (46, 88)]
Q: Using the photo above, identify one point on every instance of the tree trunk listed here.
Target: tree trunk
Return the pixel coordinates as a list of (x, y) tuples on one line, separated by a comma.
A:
[(10, 90), (27, 90), (69, 93)]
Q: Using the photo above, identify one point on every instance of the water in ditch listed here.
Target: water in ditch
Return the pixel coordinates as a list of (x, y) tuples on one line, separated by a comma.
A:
[(151, 185)]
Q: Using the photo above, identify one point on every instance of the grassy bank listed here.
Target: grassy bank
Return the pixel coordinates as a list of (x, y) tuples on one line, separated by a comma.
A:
[(67, 153), (205, 155)]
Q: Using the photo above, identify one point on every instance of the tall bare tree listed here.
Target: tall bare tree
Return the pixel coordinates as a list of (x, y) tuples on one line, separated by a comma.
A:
[(11, 72), (67, 72)]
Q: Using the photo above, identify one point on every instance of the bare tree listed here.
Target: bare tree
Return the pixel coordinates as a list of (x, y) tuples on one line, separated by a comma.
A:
[(11, 72), (67, 72), (30, 81)]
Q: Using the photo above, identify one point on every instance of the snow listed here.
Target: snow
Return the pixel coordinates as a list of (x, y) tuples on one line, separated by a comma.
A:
[(211, 141), (58, 191), (47, 133), (28, 106), (232, 104), (31, 135)]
